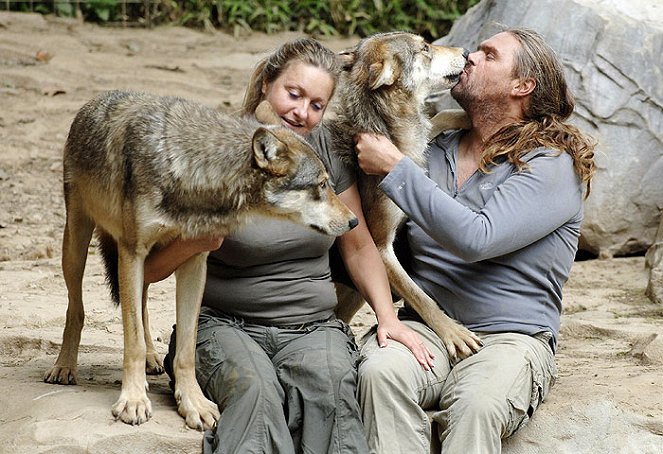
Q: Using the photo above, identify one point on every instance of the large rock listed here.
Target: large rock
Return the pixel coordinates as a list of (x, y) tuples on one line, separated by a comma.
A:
[(612, 52), (654, 263)]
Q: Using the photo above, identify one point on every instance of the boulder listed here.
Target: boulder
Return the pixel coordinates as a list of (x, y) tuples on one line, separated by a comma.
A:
[(612, 54), (654, 264)]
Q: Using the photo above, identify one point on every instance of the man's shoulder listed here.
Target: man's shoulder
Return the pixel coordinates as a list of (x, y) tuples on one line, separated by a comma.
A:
[(546, 152)]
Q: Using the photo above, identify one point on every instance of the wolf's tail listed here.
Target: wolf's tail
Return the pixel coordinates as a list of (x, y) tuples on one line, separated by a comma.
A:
[(108, 249)]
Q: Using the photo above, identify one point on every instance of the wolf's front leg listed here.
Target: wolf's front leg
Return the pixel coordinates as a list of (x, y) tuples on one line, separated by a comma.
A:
[(133, 407), (199, 412), (459, 341)]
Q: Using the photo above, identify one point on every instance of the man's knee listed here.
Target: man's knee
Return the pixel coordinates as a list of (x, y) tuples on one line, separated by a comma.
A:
[(381, 368), (476, 406)]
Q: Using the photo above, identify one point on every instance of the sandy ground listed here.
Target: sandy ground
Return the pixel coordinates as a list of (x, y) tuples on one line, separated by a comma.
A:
[(609, 395)]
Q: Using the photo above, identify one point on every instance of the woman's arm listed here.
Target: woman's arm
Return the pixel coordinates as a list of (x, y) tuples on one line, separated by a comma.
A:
[(161, 263), (365, 267)]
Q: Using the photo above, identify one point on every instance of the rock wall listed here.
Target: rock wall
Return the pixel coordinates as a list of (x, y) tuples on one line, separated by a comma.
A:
[(654, 265), (613, 53)]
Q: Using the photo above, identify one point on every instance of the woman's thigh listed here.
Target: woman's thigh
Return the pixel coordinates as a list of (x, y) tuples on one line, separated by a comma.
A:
[(318, 371), (229, 362)]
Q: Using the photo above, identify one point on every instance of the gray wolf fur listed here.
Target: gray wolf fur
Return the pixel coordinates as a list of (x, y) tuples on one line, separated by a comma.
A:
[(387, 78), (143, 170)]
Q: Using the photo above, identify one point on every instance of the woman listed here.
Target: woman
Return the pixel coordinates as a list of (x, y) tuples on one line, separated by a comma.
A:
[(269, 350)]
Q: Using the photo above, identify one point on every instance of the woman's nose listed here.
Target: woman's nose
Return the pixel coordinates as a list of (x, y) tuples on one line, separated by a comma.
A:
[(301, 109)]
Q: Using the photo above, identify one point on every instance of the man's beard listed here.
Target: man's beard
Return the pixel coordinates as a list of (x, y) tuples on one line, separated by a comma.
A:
[(462, 96)]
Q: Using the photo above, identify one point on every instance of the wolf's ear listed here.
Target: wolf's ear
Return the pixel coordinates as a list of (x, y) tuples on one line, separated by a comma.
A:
[(347, 58), (381, 73), (269, 153), (266, 115)]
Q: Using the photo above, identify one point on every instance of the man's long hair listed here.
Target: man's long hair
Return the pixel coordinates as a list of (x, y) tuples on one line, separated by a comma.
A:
[(550, 104)]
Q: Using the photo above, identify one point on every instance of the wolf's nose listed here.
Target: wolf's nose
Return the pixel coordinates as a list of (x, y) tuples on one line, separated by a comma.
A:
[(466, 53), (353, 223)]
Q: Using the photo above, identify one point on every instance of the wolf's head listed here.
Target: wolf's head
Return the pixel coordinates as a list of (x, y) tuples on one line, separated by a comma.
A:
[(402, 61), (297, 184)]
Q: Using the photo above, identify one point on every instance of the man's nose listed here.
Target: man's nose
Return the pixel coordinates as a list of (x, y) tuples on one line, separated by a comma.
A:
[(472, 57)]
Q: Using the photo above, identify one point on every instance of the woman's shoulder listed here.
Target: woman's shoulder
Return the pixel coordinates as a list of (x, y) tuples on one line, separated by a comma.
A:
[(341, 173)]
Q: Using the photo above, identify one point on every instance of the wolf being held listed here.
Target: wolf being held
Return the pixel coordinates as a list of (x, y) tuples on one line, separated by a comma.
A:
[(141, 170)]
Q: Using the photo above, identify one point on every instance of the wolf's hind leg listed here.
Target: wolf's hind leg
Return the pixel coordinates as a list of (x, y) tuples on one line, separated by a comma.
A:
[(153, 362), (349, 302), (77, 235)]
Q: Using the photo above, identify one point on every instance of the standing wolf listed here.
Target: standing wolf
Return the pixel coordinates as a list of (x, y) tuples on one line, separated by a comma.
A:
[(387, 78), (143, 170)]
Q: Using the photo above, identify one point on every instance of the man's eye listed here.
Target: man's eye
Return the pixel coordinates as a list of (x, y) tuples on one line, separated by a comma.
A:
[(318, 107), (293, 94)]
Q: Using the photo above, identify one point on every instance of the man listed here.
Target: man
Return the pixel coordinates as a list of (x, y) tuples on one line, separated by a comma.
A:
[(493, 230)]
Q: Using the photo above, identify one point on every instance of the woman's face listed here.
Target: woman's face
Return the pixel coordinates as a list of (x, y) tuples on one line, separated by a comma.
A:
[(300, 95)]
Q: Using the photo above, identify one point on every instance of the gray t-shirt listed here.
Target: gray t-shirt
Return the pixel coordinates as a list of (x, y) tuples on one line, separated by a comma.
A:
[(277, 272), (496, 253)]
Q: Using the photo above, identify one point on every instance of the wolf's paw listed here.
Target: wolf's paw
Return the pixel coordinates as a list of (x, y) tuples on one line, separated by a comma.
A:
[(459, 341), (62, 375), (133, 410), (153, 364), (199, 412)]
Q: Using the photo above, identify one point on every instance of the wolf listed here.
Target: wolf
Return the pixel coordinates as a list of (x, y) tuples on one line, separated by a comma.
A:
[(141, 170), (386, 79)]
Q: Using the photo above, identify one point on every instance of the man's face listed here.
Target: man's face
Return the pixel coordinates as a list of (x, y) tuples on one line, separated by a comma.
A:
[(488, 74)]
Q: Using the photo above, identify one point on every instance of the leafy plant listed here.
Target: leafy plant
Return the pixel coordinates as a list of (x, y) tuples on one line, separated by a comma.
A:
[(430, 18)]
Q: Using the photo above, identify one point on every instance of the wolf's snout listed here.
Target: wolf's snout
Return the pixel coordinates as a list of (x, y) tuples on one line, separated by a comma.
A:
[(466, 53), (354, 222)]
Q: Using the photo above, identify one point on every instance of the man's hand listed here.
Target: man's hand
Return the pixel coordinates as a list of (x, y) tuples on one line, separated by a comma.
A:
[(376, 154)]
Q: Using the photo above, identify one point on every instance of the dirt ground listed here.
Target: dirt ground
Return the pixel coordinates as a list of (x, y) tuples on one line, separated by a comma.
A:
[(609, 395)]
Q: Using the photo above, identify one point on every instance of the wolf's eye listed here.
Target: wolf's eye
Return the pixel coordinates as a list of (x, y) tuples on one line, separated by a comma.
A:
[(426, 49)]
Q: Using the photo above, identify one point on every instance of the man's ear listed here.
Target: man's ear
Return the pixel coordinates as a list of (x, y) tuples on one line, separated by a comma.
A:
[(381, 73), (523, 87), (269, 153)]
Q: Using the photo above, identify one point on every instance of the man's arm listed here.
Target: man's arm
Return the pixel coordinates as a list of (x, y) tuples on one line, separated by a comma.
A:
[(524, 209)]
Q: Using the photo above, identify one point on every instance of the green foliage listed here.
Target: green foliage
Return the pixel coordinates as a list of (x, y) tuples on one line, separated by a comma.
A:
[(429, 18), (101, 10)]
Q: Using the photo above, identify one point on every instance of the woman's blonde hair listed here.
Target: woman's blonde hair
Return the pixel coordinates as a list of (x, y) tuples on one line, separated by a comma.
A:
[(550, 104), (305, 50)]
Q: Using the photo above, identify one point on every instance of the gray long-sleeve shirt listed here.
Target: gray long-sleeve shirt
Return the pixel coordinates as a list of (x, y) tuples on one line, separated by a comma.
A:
[(496, 253)]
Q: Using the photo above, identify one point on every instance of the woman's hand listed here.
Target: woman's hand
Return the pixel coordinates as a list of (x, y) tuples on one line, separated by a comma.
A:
[(376, 154), (202, 244), (396, 330), (161, 263)]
